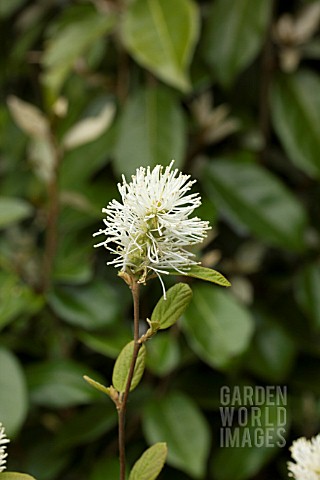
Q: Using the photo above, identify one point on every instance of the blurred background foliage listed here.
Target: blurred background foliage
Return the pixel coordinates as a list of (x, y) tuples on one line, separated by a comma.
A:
[(92, 89)]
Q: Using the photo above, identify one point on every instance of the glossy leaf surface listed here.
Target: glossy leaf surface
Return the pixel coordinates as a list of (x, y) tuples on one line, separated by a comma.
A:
[(160, 41), (218, 328)]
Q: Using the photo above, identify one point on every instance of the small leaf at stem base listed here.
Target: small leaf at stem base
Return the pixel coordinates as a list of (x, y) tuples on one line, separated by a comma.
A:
[(110, 391)]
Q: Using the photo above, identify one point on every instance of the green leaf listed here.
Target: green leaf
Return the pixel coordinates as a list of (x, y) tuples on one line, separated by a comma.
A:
[(168, 311), (59, 384), (42, 459), (14, 399), (73, 260), (176, 420), (109, 343), (23, 303), (90, 128), (272, 351), (253, 199), (29, 118), (163, 354), (218, 328), (234, 33), (70, 43), (122, 367), (307, 287), (150, 463), (15, 476), (86, 426), (42, 158), (85, 306), (74, 173), (295, 108), (97, 385), (146, 136), (105, 468), (262, 443), (160, 41), (13, 210), (207, 274)]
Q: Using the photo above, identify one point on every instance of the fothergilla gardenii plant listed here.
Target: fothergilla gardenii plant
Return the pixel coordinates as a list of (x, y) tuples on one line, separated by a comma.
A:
[(149, 234)]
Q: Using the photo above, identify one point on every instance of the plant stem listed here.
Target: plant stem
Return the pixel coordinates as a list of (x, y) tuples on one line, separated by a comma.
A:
[(123, 401), (122, 451), (51, 240)]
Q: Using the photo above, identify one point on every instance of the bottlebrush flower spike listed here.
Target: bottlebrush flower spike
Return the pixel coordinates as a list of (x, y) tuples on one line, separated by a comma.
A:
[(306, 454), (150, 231)]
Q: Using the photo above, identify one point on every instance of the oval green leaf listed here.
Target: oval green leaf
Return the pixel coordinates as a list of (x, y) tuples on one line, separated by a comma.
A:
[(15, 476), (74, 175), (14, 399), (145, 136), (234, 34), (73, 259), (70, 43), (122, 367), (176, 420), (59, 384), (28, 117), (150, 463), (163, 354), (253, 199), (218, 329), (295, 108), (13, 210), (109, 343), (168, 311), (160, 41), (85, 306), (207, 274), (90, 128), (272, 351), (85, 426)]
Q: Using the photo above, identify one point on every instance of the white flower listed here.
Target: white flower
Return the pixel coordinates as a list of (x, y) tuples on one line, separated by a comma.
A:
[(306, 454), (3, 441), (150, 230)]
